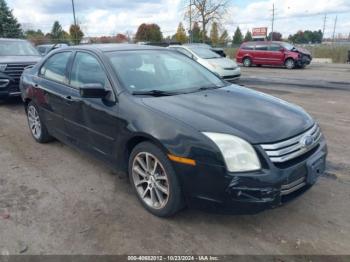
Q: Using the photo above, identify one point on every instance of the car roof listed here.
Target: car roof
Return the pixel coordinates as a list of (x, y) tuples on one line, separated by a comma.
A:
[(115, 47), (264, 42)]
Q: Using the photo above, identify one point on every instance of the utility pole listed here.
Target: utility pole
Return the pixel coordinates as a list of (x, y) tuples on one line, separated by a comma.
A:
[(190, 39), (273, 20), (324, 25), (75, 23), (335, 26)]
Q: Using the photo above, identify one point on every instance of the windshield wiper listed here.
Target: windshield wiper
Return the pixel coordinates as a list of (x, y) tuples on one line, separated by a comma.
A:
[(208, 88), (155, 92)]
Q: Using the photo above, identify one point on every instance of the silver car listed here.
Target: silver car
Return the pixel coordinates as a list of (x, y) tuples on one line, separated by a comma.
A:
[(222, 66)]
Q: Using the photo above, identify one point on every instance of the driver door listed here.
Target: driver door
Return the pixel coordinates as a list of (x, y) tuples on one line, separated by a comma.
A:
[(98, 127)]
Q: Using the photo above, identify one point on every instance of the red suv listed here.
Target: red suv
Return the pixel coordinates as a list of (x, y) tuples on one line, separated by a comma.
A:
[(273, 53)]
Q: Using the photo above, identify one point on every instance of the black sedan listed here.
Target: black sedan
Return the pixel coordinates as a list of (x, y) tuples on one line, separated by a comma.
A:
[(184, 136)]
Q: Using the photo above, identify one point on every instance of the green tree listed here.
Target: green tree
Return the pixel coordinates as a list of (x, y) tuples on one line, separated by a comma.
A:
[(180, 35), (305, 37), (9, 26), (76, 34), (57, 33), (214, 34), (36, 37), (276, 36), (149, 33), (238, 37), (223, 38), (248, 36), (196, 33)]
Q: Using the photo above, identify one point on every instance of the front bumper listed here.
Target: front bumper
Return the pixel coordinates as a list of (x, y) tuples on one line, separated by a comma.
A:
[(9, 88), (230, 75), (213, 189), (304, 60)]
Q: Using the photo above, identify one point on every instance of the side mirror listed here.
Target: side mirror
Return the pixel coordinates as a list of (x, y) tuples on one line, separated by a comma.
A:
[(282, 49), (93, 90)]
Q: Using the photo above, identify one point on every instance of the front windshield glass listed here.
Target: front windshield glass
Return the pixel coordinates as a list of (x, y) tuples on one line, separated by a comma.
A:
[(166, 71), (288, 46), (204, 53), (17, 48)]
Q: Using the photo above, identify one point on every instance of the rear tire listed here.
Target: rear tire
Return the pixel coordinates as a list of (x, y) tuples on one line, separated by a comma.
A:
[(154, 180), (289, 63), (247, 62), (36, 125)]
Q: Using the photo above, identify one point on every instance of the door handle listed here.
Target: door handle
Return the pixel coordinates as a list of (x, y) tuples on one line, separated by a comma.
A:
[(71, 99)]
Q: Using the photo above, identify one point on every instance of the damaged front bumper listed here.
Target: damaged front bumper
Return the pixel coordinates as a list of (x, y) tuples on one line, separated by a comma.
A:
[(213, 189)]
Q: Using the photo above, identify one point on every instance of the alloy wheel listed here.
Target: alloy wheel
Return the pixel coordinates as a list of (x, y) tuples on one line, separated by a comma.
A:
[(150, 180), (34, 122), (246, 62)]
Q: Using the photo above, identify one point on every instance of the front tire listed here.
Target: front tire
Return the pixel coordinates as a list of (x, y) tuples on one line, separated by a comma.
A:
[(154, 180), (36, 125), (289, 63), (247, 62)]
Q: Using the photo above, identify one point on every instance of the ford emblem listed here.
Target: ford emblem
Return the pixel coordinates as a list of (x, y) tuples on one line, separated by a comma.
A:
[(307, 141)]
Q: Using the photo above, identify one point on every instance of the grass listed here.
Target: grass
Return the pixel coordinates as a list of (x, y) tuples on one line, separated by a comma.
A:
[(338, 54)]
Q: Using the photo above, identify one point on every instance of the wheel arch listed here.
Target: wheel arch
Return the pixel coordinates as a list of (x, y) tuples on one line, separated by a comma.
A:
[(288, 57), (136, 139), (26, 102)]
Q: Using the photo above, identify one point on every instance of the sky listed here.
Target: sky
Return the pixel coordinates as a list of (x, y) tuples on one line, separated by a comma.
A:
[(109, 17)]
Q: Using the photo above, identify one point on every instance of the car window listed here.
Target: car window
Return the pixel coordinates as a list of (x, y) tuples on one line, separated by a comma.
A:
[(204, 53), (17, 48), (42, 50), (165, 71), (87, 70), (55, 67), (248, 47), (261, 47), (274, 47)]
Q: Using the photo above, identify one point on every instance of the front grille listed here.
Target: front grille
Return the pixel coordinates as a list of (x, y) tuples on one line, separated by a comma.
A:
[(293, 186), (292, 148), (15, 70)]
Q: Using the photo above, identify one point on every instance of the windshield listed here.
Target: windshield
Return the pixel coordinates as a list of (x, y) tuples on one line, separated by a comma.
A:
[(17, 48), (288, 46), (204, 53), (166, 71)]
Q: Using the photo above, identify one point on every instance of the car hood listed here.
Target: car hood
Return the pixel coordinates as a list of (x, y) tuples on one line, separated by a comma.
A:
[(254, 116), (303, 51), (19, 59), (222, 62)]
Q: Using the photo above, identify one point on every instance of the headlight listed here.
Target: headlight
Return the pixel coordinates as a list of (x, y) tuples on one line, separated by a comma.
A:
[(239, 155)]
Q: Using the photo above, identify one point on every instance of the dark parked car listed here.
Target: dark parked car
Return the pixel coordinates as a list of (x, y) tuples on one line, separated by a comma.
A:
[(45, 49), (273, 53), (184, 136), (15, 55)]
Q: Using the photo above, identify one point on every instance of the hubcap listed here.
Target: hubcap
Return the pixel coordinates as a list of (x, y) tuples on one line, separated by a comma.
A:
[(246, 62), (34, 122), (150, 180), (290, 64)]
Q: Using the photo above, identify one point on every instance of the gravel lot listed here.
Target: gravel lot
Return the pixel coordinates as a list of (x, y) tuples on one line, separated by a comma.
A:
[(55, 200)]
